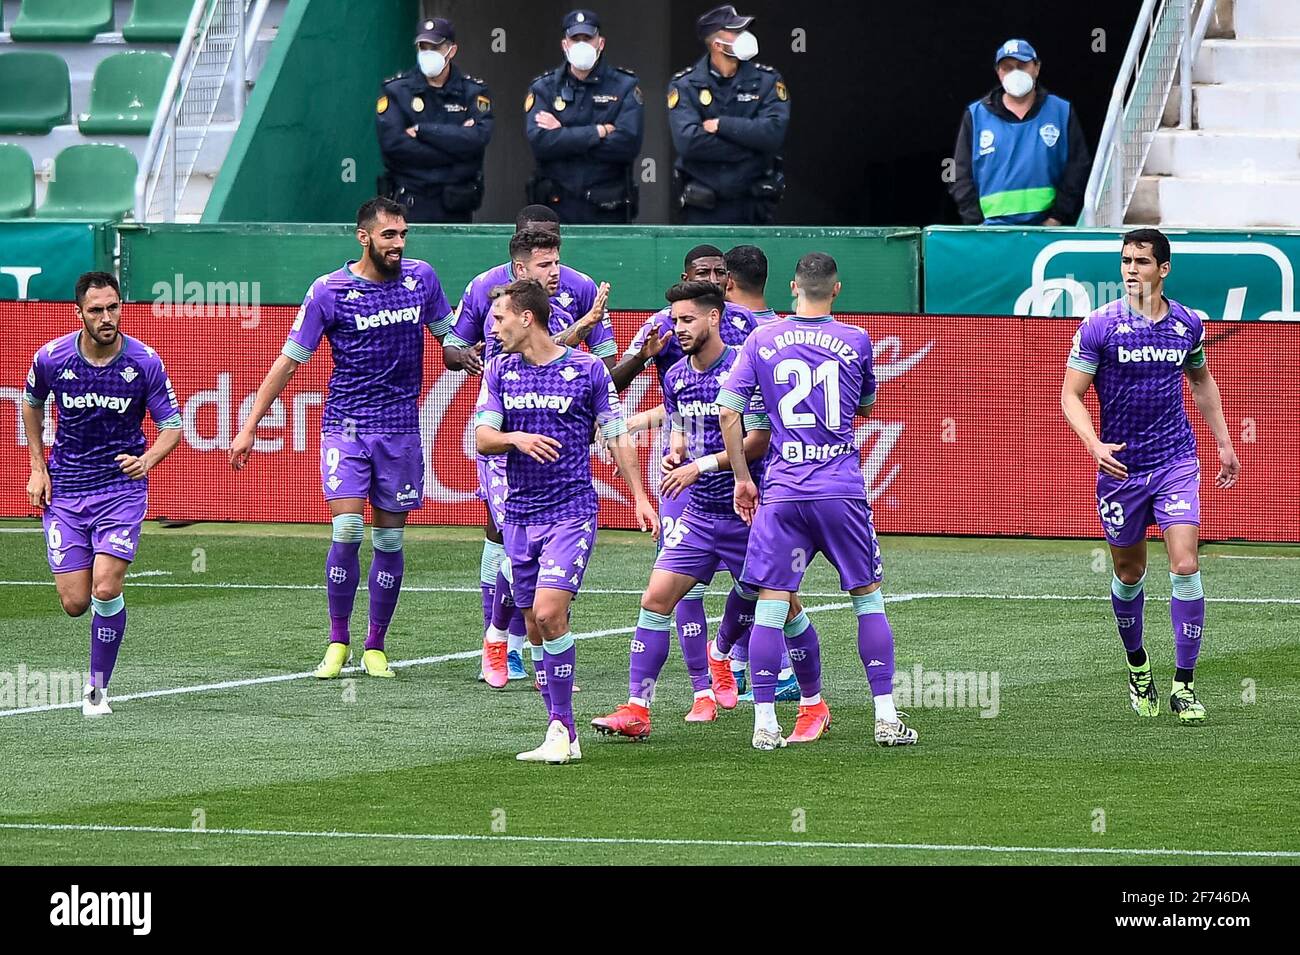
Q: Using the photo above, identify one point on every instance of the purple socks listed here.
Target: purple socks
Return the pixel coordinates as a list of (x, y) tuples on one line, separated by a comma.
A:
[(875, 642), (342, 575), (693, 637), (804, 648), (1127, 601), (107, 627), (385, 587), (649, 653)]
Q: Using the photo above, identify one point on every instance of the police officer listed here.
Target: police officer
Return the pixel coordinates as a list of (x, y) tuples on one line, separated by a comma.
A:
[(434, 123), (1021, 156), (585, 122), (728, 116)]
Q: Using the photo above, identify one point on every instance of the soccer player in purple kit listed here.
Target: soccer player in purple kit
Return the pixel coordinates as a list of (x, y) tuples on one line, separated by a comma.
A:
[(94, 490), (539, 405), (814, 374), (374, 312), (1135, 352), (708, 534), (655, 342), (578, 314)]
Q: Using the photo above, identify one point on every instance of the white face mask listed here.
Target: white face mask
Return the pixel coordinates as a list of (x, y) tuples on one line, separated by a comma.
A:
[(745, 46), (1018, 83), (582, 56), (431, 62)]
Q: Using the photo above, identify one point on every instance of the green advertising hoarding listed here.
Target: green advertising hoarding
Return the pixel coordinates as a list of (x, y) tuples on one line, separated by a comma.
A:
[(41, 260), (1228, 276), (274, 264)]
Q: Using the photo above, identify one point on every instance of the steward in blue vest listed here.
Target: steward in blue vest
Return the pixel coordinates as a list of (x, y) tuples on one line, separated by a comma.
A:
[(1021, 157)]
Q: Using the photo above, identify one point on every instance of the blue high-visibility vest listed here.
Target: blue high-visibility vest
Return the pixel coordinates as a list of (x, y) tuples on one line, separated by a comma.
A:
[(1016, 166)]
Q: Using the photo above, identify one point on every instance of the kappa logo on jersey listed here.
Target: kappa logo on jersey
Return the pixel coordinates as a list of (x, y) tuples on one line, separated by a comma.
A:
[(1148, 353), (129, 374), (738, 321), (512, 376), (93, 399), (568, 374), (389, 316), (532, 401), (353, 295), (67, 375), (1123, 328), (1050, 133), (679, 384)]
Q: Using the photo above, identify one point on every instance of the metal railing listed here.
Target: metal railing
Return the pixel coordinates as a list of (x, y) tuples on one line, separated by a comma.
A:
[(206, 84), (1164, 38)]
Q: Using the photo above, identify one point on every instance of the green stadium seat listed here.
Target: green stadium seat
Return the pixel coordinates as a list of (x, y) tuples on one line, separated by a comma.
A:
[(125, 92), (35, 94), (157, 21), (62, 21), (94, 181), (17, 182)]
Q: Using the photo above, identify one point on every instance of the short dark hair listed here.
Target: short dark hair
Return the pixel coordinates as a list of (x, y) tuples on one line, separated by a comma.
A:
[(1158, 241), (701, 252), (523, 244), (529, 214), (89, 280), (526, 295), (747, 266), (371, 209), (816, 274), (705, 294)]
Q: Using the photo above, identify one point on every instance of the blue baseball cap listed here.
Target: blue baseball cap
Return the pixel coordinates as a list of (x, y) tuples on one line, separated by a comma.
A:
[(581, 21), (1021, 50), (438, 30)]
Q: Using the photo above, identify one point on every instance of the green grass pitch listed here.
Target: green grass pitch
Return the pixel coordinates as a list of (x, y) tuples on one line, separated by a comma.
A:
[(421, 769)]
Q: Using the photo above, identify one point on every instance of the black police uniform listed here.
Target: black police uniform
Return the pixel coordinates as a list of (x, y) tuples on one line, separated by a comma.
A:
[(582, 177), (732, 176), (438, 175)]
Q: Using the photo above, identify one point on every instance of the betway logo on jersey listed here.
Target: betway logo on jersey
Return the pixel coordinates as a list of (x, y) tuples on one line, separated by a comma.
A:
[(93, 399), (1151, 353), (698, 409), (532, 401), (389, 316), (807, 336)]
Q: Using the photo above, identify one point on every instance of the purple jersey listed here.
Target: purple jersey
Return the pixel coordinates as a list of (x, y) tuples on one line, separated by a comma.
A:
[(1138, 368), (691, 404), (376, 336), (814, 375), (574, 298), (734, 327), (566, 400), (101, 410)]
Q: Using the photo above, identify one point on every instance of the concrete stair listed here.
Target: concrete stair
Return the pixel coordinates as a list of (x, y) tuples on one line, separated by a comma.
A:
[(1239, 166)]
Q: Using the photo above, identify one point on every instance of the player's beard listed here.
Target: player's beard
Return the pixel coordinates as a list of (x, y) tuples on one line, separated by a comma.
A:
[(101, 337), (380, 262)]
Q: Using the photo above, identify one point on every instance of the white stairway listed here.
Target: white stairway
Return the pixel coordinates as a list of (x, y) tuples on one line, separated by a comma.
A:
[(1239, 166)]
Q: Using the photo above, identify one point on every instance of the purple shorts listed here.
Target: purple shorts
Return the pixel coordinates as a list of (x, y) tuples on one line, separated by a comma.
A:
[(492, 487), (79, 527), (549, 555), (698, 544), (1166, 496), (787, 535), (386, 468)]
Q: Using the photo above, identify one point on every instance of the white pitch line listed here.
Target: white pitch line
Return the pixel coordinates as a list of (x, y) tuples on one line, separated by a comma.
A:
[(287, 677), (1251, 557), (889, 597), (149, 573), (22, 530), (647, 841)]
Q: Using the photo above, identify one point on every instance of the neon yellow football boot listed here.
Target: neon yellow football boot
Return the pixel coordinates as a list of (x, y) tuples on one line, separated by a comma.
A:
[(337, 656), (375, 663)]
